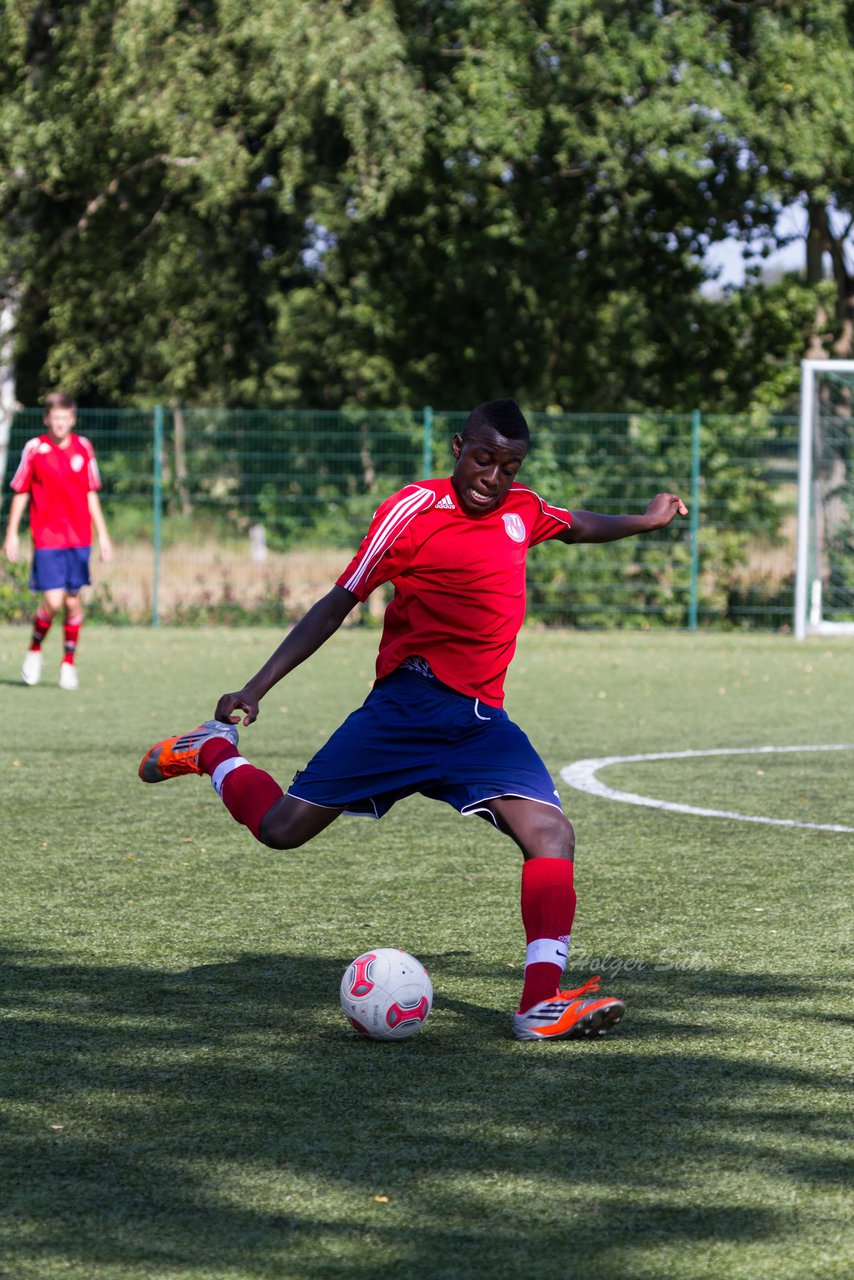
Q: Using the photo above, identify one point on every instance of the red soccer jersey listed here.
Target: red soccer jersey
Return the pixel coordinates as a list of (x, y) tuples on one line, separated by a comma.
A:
[(59, 482), (459, 581)]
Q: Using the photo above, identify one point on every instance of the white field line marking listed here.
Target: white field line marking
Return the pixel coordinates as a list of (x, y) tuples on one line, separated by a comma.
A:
[(582, 775)]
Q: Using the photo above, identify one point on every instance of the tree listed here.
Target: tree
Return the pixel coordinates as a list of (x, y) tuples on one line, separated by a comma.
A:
[(579, 160), (380, 203), (790, 123), (160, 164)]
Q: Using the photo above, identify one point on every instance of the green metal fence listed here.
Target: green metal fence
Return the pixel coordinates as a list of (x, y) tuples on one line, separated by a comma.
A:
[(221, 515)]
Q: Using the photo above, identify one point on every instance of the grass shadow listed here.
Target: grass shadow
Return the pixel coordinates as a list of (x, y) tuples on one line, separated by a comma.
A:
[(186, 1103)]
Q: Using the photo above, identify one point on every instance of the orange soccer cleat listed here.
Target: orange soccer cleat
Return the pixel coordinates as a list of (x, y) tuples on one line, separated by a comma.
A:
[(567, 1017), (174, 757)]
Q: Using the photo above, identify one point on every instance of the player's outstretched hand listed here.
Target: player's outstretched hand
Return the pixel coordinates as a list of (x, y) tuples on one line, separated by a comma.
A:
[(664, 508), (230, 705)]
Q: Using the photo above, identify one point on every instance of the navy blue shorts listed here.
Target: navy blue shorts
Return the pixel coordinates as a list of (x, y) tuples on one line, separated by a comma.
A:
[(67, 568), (415, 735)]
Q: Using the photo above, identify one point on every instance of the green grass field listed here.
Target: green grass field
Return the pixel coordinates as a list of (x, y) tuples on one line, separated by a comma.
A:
[(183, 1099)]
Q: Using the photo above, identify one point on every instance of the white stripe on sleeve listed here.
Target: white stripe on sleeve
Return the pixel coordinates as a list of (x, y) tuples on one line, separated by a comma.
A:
[(21, 478), (387, 532), (556, 513), (93, 473)]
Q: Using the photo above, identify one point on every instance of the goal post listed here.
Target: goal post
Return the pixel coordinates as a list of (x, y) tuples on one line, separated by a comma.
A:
[(824, 578)]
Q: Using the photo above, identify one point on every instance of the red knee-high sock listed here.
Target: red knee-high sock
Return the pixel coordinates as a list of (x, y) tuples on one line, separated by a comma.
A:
[(41, 626), (71, 633), (548, 907), (246, 792)]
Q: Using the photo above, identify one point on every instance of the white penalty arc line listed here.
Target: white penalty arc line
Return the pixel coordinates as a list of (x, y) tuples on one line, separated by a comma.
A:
[(582, 775)]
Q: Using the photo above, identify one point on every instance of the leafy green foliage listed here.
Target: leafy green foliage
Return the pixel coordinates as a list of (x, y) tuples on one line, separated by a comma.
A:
[(161, 167), (15, 596), (379, 204)]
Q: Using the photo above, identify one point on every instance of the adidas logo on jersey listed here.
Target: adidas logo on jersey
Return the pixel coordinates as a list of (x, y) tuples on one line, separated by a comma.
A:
[(446, 504)]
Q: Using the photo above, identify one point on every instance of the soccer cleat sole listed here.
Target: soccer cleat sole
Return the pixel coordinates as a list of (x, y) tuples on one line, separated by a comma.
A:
[(598, 1023), (149, 769)]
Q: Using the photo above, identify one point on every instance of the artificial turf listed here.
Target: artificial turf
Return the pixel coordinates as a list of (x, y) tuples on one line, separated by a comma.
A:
[(182, 1097)]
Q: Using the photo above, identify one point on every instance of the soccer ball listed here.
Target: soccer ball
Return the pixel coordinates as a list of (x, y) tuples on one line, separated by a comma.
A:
[(386, 994)]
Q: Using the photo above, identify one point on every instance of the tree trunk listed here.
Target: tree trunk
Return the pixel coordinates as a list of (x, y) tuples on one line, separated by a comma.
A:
[(821, 240), (817, 236), (817, 219), (8, 403)]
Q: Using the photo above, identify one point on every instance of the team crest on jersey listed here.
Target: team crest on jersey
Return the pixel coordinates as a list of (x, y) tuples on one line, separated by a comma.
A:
[(77, 462), (514, 526)]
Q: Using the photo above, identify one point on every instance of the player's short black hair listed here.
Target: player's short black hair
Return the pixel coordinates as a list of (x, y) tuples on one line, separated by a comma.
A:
[(502, 416)]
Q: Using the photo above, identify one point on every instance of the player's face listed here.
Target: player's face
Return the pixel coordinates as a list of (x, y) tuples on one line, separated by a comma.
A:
[(487, 465), (60, 423)]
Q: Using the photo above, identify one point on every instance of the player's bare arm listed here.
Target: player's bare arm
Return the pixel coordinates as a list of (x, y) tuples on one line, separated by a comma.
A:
[(12, 544), (313, 629), (105, 546), (592, 526)]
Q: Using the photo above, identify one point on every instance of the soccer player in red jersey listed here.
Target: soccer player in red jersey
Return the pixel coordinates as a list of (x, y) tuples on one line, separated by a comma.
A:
[(434, 723), (58, 474)]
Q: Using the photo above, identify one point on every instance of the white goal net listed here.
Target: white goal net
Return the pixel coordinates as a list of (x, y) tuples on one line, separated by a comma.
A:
[(824, 583)]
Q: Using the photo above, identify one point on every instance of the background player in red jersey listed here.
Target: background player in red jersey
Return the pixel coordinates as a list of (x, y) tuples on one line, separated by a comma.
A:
[(59, 476), (455, 551)]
